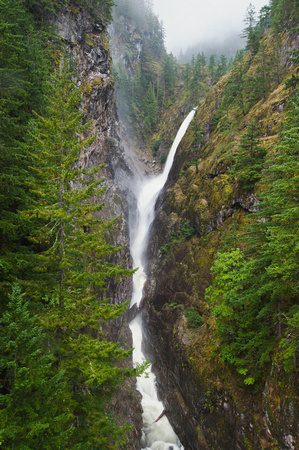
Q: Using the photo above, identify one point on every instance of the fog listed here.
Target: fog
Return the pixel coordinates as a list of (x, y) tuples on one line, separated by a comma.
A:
[(189, 22)]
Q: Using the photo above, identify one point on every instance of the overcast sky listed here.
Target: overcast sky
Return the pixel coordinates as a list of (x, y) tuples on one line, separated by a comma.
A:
[(187, 22)]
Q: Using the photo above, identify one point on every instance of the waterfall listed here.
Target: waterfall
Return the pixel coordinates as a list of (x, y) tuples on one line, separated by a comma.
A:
[(156, 435)]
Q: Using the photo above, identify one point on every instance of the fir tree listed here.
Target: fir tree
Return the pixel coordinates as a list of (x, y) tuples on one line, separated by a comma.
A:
[(236, 87), (222, 67), (34, 398), (150, 108), (24, 65), (250, 158), (75, 263), (254, 296), (212, 66), (252, 31), (169, 71)]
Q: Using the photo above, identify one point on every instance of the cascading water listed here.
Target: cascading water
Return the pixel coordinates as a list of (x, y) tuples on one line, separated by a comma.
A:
[(157, 435)]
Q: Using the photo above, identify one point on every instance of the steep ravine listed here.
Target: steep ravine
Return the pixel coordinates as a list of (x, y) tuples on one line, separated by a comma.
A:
[(206, 403)]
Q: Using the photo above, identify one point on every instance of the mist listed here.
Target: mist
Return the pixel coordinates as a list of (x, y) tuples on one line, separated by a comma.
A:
[(190, 22)]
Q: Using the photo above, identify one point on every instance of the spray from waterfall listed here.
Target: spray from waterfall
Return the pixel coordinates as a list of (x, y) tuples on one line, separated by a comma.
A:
[(157, 435)]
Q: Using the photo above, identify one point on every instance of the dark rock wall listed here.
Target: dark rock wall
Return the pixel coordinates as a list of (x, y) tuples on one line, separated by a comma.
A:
[(86, 39), (206, 403)]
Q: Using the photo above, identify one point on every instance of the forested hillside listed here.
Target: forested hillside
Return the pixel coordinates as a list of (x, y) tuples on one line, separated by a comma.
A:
[(221, 307), (58, 371), (224, 251), (148, 78)]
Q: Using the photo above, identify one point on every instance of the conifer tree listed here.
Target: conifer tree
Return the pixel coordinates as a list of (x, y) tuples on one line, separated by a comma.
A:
[(222, 67), (150, 106), (169, 71), (66, 192), (250, 158), (34, 398), (251, 32), (24, 65), (284, 14), (236, 87), (212, 66), (187, 73), (254, 296), (75, 262)]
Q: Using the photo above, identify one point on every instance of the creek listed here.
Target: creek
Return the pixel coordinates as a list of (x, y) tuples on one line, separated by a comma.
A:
[(157, 432)]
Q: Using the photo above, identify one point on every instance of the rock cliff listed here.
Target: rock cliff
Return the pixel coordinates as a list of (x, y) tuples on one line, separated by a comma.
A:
[(206, 402), (85, 36)]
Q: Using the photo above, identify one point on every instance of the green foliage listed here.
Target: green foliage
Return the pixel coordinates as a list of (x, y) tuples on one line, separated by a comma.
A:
[(284, 14), (172, 305), (141, 14), (289, 345), (73, 264), (250, 158), (150, 108), (245, 341), (156, 146), (24, 66), (194, 319), (169, 74), (235, 90), (141, 87), (252, 31), (34, 399), (186, 232), (163, 159), (255, 290), (294, 80), (222, 67)]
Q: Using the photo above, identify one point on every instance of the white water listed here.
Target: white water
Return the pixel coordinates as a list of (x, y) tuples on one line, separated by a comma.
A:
[(159, 435)]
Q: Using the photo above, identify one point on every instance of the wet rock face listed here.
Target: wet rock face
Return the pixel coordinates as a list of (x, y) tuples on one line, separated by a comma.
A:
[(86, 40), (200, 419), (124, 36), (204, 403), (207, 404)]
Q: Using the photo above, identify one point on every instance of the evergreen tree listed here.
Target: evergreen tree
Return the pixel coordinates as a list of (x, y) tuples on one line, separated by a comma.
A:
[(254, 296), (150, 108), (236, 87), (264, 21), (187, 73), (24, 65), (198, 68), (252, 31), (169, 72), (294, 80), (222, 67), (147, 69), (75, 264), (34, 398), (212, 66), (250, 158), (284, 14)]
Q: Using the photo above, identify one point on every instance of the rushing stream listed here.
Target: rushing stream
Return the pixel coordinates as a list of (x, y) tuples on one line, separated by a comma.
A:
[(157, 435)]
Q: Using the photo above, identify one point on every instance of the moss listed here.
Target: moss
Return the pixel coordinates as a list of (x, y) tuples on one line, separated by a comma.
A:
[(207, 198)]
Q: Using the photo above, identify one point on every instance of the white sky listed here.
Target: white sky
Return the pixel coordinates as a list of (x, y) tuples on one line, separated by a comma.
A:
[(188, 22)]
